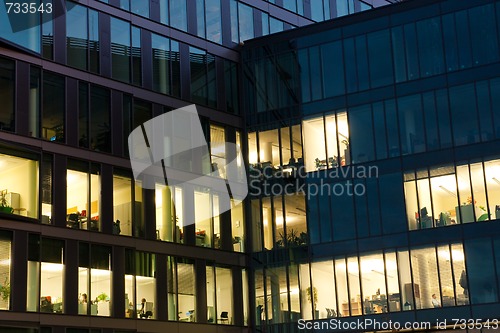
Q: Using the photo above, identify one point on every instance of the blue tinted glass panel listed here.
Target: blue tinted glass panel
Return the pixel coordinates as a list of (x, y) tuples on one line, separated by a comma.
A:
[(48, 35), (463, 38), (361, 134), (392, 204), (15, 31), (164, 11), (443, 115), (213, 20), (333, 69), (234, 21), (161, 68), (431, 123), (290, 5), (362, 63), (317, 11), (464, 115), (350, 66), (430, 47), (265, 24), (343, 211), (315, 66), (120, 49), (178, 14), (411, 52), (136, 56), (305, 75), (398, 50), (483, 33), (342, 7), (275, 25), (125, 4), (245, 21), (76, 36), (450, 42), (379, 130), (200, 17), (373, 196), (313, 219), (411, 125), (481, 271), (379, 47), (211, 81), (391, 120), (495, 104), (93, 41), (361, 210), (140, 7), (325, 220), (484, 110)]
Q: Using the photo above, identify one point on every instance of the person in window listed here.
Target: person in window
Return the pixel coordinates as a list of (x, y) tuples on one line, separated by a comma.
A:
[(435, 301), (142, 312), (83, 299)]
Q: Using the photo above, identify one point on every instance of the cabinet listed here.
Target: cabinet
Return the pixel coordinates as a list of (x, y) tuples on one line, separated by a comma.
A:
[(356, 309)]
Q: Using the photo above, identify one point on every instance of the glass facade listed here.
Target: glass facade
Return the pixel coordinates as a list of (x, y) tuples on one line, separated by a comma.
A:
[(364, 138)]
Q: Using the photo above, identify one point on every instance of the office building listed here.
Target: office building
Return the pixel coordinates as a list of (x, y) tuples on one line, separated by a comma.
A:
[(386, 118), (373, 139)]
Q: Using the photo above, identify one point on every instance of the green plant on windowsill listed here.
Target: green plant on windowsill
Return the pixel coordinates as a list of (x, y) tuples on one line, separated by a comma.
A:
[(102, 297), (5, 290), (4, 205)]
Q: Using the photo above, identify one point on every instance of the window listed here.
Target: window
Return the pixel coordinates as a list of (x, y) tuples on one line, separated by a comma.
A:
[(5, 269), (19, 179), (25, 33), (178, 14), (218, 150), (83, 196), (120, 49), (33, 274), (186, 290), (122, 203), (245, 22), (52, 276), (82, 37), (209, 20), (203, 78), (337, 142), (140, 7), (166, 229), (451, 195), (53, 112), (7, 84), (140, 272), (165, 65)]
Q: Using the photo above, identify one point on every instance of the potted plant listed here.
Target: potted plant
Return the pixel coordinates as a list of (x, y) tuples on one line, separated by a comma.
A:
[(312, 297), (5, 290), (4, 205), (102, 297)]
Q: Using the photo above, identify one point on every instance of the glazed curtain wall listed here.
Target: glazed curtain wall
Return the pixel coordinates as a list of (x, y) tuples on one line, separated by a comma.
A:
[(419, 49), (188, 281), (392, 280)]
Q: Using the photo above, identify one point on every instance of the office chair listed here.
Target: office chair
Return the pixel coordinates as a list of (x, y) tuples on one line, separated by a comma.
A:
[(224, 317)]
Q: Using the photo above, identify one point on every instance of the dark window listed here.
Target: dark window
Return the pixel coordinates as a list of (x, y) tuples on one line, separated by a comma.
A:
[(481, 275), (7, 82), (100, 125), (411, 125), (379, 48), (83, 115), (361, 134), (120, 49), (464, 114), (483, 34), (430, 47), (54, 90), (333, 69)]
